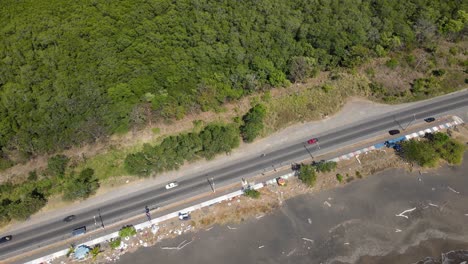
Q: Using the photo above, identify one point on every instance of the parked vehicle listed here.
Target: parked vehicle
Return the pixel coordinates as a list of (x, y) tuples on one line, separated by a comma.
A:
[(6, 239), (394, 132), (172, 185)]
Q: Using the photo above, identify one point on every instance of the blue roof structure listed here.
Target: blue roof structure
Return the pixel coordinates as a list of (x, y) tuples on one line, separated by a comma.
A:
[(81, 252)]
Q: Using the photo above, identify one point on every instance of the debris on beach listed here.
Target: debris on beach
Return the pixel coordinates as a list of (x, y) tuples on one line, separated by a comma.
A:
[(402, 214)]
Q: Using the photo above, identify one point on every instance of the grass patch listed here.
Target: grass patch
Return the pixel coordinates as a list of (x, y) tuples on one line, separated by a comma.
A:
[(315, 102)]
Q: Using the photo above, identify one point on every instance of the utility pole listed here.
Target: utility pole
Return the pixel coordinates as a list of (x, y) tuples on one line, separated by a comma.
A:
[(100, 217), (318, 144), (95, 223), (308, 151)]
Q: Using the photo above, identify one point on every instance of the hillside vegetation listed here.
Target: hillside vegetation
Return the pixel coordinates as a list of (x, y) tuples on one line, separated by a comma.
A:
[(74, 71)]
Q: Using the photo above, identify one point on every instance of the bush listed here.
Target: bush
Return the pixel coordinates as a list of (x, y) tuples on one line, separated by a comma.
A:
[(95, 251), (437, 146), (307, 175), (27, 206), (252, 193), (325, 166), (81, 186), (339, 177), (327, 88), (57, 164), (175, 150), (253, 123), (127, 231), (420, 152), (439, 72), (392, 63), (5, 163), (32, 175), (115, 242), (358, 174)]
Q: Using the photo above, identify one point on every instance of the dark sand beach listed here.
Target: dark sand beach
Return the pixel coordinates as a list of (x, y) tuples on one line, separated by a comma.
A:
[(361, 222)]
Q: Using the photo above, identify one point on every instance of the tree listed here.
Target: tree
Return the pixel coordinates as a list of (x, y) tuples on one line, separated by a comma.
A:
[(25, 207), (420, 152), (301, 68), (253, 123), (81, 186), (307, 175)]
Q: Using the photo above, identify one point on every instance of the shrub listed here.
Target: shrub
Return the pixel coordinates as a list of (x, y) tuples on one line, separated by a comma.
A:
[(438, 73), (57, 164), (252, 193), (437, 146), (5, 163), (127, 231), (175, 150), (326, 166), (420, 152), (253, 123), (95, 251), (25, 207), (307, 175), (339, 177), (327, 88), (81, 186), (32, 175), (358, 174), (115, 242), (392, 63)]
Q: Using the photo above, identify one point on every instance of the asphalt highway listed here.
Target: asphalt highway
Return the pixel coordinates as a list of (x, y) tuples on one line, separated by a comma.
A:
[(191, 185)]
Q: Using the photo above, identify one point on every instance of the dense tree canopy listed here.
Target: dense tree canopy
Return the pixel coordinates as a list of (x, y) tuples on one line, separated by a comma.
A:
[(73, 71)]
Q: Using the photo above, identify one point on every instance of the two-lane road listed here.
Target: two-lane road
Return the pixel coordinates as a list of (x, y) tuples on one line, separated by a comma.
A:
[(192, 185)]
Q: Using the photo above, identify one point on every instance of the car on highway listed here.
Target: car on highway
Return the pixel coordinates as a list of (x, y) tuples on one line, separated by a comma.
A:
[(184, 216), (79, 231), (429, 119), (6, 239), (172, 185), (312, 141), (69, 218), (394, 132)]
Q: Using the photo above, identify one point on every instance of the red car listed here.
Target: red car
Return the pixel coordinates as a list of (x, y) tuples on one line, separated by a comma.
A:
[(312, 141)]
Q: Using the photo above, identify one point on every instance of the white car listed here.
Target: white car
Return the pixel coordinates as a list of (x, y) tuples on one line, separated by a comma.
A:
[(171, 185), (184, 216)]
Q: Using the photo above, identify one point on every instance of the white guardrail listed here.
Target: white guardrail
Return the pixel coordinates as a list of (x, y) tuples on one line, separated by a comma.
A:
[(149, 224)]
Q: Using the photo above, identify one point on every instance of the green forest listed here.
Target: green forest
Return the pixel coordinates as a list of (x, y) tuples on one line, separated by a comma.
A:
[(74, 71)]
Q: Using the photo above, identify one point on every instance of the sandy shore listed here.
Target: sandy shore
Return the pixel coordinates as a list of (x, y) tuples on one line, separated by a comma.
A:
[(343, 225)]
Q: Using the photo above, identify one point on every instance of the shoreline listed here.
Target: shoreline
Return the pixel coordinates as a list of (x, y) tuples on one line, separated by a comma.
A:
[(337, 229)]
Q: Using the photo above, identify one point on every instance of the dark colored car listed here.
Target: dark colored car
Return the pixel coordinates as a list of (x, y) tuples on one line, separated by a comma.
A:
[(312, 141), (394, 132), (429, 119), (69, 218), (5, 239)]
